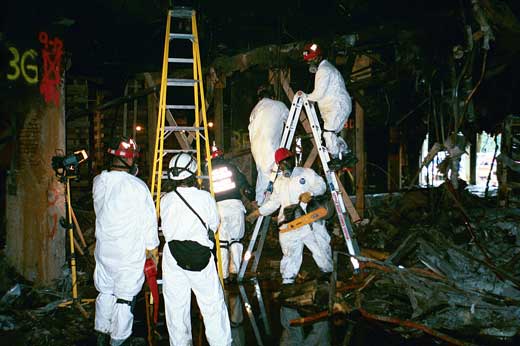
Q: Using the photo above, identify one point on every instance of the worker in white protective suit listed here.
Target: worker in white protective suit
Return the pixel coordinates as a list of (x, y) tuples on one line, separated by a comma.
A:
[(297, 185), (189, 219), (126, 234), (334, 103), (229, 183), (266, 125)]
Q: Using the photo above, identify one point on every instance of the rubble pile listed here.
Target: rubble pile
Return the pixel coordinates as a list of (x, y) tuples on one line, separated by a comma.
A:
[(450, 268)]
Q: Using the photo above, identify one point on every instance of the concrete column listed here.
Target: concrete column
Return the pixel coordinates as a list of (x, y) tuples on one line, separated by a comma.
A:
[(35, 241)]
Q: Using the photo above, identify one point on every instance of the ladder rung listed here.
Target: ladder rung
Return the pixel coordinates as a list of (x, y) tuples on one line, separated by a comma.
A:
[(181, 36), (176, 151), (181, 60), (181, 12), (183, 128), (205, 177), (181, 82), (180, 107)]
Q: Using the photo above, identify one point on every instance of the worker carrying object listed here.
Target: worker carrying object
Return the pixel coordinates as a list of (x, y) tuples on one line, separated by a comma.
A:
[(297, 185), (189, 218), (229, 183), (126, 233), (266, 125), (334, 103)]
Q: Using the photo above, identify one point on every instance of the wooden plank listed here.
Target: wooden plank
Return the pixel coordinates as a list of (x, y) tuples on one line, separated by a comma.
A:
[(360, 154), (354, 215), (218, 121), (284, 80)]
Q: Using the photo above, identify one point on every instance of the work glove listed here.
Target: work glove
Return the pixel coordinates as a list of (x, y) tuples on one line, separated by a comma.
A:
[(154, 255), (305, 197), (253, 216)]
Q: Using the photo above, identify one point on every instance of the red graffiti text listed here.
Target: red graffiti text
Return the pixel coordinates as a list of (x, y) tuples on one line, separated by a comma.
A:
[(51, 54)]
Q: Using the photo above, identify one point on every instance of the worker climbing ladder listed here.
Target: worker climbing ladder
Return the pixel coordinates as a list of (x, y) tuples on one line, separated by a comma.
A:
[(165, 145), (300, 101)]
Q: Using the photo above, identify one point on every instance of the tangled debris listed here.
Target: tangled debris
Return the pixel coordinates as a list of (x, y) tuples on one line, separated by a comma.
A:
[(453, 270)]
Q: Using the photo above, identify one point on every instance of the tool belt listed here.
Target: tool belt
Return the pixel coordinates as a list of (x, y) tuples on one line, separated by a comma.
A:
[(189, 254)]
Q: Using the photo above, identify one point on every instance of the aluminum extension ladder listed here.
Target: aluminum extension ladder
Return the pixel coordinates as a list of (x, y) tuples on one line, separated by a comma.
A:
[(300, 101)]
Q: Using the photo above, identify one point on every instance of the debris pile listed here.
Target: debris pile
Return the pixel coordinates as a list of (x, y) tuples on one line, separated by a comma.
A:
[(453, 269)]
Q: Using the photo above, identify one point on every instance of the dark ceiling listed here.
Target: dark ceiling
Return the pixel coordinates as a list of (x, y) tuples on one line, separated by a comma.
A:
[(113, 39), (104, 36)]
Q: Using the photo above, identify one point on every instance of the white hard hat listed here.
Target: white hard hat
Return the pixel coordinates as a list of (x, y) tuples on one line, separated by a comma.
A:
[(182, 166)]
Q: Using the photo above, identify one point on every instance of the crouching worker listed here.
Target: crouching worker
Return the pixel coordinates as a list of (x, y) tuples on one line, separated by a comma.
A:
[(126, 233), (297, 185), (189, 218)]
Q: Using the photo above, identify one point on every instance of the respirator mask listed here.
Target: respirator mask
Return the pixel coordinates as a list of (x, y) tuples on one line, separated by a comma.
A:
[(313, 67)]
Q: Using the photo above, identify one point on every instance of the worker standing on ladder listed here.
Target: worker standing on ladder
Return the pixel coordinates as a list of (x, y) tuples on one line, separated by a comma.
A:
[(266, 125), (189, 218), (228, 185), (126, 233), (297, 185), (334, 103)]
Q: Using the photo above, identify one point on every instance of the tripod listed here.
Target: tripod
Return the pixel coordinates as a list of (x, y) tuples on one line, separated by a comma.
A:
[(67, 224)]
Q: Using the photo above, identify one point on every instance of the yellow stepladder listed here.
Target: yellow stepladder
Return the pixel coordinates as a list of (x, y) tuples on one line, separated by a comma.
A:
[(165, 115)]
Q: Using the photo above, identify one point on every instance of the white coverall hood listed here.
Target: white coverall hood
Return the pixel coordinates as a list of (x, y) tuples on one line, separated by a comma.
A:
[(266, 125)]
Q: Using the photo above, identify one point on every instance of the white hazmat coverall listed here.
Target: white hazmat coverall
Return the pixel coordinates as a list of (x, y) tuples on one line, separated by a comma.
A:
[(266, 125), (231, 231), (286, 192), (126, 225), (180, 223), (335, 105)]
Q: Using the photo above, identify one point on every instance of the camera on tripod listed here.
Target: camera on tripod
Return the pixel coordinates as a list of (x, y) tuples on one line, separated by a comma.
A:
[(68, 166)]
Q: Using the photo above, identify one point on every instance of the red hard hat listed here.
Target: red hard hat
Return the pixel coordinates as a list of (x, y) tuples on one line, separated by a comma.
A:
[(281, 154), (311, 51), (216, 152), (124, 148)]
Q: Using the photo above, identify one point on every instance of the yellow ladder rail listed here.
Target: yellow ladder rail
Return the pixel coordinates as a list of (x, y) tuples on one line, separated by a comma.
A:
[(199, 107)]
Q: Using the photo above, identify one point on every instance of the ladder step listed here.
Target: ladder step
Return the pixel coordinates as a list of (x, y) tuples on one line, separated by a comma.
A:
[(181, 12), (176, 151), (181, 82), (180, 36), (183, 128), (181, 60), (203, 177), (180, 107)]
